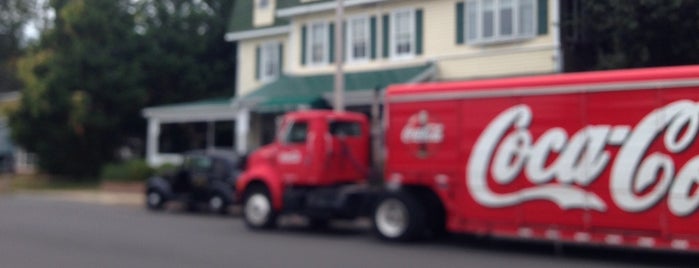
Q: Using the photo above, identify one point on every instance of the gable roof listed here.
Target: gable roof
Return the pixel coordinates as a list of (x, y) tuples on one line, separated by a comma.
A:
[(294, 3), (242, 18)]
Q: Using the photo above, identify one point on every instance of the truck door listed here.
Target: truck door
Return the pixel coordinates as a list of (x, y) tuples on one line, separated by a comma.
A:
[(348, 157), (292, 157)]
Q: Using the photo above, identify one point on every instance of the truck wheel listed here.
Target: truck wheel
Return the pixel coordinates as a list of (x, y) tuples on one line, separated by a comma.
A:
[(257, 209), (399, 217), (155, 200), (218, 204)]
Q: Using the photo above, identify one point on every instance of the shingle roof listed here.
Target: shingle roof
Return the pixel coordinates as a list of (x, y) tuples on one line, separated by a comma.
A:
[(242, 18), (293, 3)]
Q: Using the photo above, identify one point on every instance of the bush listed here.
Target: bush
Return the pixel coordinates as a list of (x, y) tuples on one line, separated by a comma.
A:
[(135, 170)]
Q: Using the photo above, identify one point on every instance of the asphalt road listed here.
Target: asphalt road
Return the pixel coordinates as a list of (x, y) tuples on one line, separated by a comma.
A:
[(38, 231)]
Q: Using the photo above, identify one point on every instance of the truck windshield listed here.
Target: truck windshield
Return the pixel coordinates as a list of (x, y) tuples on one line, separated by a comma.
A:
[(345, 128), (296, 133)]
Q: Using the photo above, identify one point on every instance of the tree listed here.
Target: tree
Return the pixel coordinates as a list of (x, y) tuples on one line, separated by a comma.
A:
[(81, 88), (612, 34), (101, 62), (14, 15), (188, 58)]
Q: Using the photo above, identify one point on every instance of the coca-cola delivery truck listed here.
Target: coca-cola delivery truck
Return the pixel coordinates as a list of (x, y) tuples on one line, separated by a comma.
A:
[(600, 157)]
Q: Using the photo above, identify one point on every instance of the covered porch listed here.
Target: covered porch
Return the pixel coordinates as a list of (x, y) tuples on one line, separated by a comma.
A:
[(208, 111)]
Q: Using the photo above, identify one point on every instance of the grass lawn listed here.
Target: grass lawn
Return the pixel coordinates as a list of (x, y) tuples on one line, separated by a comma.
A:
[(44, 182)]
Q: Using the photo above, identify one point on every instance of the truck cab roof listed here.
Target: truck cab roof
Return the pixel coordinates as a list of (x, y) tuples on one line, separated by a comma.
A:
[(324, 114)]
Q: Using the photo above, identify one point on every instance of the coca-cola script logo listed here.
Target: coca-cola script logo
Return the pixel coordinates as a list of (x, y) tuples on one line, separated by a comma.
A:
[(638, 179), (421, 132)]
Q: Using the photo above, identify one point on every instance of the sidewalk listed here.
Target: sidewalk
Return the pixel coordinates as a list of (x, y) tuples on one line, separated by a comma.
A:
[(104, 197), (106, 194)]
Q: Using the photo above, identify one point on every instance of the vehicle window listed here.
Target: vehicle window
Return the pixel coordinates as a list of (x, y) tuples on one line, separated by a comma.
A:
[(345, 128), (297, 133), (199, 163), (219, 168)]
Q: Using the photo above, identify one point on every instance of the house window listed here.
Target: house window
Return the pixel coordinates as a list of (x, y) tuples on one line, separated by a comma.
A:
[(262, 4), (403, 33), (358, 38), (269, 61), (318, 44), (493, 21)]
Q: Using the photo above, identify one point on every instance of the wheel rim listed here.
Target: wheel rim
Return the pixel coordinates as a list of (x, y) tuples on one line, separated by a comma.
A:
[(257, 209), (392, 218), (154, 199), (216, 203)]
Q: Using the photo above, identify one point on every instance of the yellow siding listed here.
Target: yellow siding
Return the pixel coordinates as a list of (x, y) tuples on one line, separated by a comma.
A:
[(454, 61), (439, 44), (502, 64), (247, 64), (264, 17)]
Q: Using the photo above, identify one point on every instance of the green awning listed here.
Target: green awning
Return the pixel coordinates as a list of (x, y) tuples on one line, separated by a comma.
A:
[(216, 109), (290, 92)]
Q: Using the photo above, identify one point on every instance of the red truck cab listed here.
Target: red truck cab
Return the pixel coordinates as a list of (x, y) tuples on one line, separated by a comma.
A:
[(306, 170)]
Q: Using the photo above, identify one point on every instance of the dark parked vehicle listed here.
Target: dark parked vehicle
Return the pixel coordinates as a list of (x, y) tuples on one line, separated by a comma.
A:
[(205, 177)]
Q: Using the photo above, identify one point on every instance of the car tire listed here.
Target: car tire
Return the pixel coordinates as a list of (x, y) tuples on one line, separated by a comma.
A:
[(218, 204), (258, 211), (155, 200), (399, 217)]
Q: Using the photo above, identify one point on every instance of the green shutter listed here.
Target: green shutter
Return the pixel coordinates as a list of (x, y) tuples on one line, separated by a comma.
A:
[(281, 59), (303, 45), (331, 43), (418, 32), (460, 22), (372, 30), (257, 62), (542, 16), (386, 34), (344, 43)]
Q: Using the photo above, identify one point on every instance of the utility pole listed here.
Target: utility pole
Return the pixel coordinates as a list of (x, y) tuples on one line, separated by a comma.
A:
[(339, 90)]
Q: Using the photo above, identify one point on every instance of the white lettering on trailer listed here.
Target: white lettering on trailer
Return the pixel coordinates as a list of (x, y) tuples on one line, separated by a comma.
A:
[(627, 182), (582, 158), (419, 130)]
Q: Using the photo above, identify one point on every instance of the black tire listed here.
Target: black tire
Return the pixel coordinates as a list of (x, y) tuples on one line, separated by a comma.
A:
[(155, 200), (399, 217), (258, 211), (218, 203)]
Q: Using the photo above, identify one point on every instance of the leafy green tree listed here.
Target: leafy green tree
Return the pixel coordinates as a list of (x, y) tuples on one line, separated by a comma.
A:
[(612, 34), (188, 58), (14, 16), (82, 88), (102, 61)]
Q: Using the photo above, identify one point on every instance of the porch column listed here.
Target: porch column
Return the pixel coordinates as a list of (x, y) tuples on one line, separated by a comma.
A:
[(242, 127), (152, 142)]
